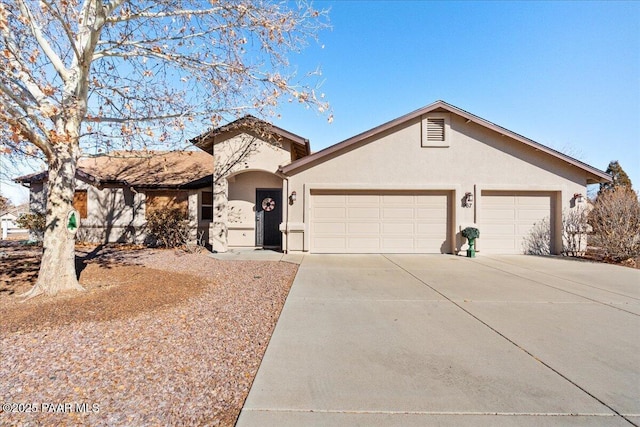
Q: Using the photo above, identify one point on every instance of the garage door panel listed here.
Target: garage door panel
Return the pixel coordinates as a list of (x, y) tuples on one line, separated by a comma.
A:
[(397, 228), (498, 200), (363, 243), (363, 199), (506, 219), (425, 213), (363, 213), (363, 227), (489, 230), (387, 222), (331, 200), (531, 214), (398, 213), (437, 200), (330, 213), (330, 227), (332, 243), (398, 199), (428, 229), (426, 244)]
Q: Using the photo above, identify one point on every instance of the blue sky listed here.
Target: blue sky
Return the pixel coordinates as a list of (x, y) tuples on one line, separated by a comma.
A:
[(565, 74)]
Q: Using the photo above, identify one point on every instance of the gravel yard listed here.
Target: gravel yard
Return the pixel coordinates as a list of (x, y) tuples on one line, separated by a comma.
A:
[(161, 337)]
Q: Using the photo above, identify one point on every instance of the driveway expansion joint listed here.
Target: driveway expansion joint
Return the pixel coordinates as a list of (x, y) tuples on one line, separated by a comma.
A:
[(548, 366)]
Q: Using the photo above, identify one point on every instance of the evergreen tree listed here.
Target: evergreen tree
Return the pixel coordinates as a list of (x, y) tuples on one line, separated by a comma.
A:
[(620, 178)]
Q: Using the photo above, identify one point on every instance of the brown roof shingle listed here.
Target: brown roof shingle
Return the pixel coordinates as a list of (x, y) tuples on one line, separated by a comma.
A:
[(143, 168)]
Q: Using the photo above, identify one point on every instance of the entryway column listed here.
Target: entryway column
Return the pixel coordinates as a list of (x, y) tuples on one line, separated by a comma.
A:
[(218, 227)]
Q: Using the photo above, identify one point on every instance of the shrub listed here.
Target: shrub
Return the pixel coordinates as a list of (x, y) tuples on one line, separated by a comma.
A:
[(168, 228), (615, 220), (574, 232), (34, 222), (470, 233), (574, 235), (538, 240)]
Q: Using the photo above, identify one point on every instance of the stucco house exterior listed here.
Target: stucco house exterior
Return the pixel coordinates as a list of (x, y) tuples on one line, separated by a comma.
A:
[(115, 192), (407, 186)]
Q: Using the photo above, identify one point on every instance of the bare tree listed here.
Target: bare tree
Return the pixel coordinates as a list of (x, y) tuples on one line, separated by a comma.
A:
[(615, 220), (96, 74), (4, 204)]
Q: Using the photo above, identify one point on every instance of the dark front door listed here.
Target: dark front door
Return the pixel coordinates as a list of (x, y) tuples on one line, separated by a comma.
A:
[(268, 217)]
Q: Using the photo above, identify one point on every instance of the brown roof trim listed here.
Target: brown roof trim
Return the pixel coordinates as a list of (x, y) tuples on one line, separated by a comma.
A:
[(44, 175), (250, 121), (603, 176)]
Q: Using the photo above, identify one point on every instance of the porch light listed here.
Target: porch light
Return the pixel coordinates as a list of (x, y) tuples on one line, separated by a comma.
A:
[(468, 199), (292, 197), (578, 197)]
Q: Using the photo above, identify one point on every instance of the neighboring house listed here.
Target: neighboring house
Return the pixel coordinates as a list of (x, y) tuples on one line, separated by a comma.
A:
[(8, 225), (407, 186), (115, 193)]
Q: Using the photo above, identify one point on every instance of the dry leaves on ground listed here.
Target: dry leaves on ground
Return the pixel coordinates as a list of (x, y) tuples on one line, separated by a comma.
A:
[(160, 338)]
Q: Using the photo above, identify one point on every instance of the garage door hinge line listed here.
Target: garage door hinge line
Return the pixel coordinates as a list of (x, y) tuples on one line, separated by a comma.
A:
[(561, 375)]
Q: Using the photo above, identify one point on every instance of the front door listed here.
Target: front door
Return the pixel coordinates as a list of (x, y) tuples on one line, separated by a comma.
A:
[(268, 217)]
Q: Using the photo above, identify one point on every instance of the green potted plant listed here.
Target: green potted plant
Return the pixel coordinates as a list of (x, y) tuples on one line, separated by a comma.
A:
[(471, 234)]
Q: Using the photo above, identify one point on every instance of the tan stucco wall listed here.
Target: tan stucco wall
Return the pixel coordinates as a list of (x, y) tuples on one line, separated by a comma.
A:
[(242, 204), (476, 159), (116, 214), (257, 170)]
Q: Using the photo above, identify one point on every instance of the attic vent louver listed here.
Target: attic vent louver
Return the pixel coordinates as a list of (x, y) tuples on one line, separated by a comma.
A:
[(435, 129)]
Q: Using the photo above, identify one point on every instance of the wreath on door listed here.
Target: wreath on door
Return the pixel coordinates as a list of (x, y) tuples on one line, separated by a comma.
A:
[(268, 204)]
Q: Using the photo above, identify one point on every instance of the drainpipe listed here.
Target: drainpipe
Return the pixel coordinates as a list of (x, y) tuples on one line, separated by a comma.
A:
[(286, 223)]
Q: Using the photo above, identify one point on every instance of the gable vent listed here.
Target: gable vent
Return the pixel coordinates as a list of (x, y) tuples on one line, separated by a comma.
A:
[(435, 129)]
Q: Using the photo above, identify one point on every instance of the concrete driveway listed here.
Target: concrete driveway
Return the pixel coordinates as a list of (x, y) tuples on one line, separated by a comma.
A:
[(415, 340)]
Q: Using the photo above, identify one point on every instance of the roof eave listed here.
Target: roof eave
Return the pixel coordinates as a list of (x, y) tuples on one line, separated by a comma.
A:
[(601, 176)]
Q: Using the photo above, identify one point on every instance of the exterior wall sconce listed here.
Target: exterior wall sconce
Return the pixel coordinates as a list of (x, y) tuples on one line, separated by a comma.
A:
[(578, 198), (292, 197), (468, 199)]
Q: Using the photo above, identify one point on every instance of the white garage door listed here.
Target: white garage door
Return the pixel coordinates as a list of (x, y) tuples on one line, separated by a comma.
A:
[(379, 222), (506, 218)]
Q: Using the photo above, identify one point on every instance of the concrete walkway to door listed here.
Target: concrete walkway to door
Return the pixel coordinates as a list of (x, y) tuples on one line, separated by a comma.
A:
[(418, 340)]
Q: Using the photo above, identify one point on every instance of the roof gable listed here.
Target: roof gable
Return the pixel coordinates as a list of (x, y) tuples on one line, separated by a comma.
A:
[(259, 128), (596, 175)]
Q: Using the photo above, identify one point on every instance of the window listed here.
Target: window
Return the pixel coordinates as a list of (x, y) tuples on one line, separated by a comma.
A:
[(436, 130), (80, 202), (206, 213), (160, 200)]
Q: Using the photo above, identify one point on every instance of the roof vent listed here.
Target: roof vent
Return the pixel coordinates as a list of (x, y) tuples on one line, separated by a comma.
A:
[(435, 129)]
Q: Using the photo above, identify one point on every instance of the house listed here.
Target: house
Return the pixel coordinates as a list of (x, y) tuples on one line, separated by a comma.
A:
[(116, 192), (8, 225), (407, 186)]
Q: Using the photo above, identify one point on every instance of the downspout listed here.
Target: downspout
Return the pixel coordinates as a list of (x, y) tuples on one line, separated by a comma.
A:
[(286, 222)]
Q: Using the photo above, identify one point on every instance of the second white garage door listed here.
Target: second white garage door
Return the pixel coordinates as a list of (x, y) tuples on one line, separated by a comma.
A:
[(379, 222), (507, 217)]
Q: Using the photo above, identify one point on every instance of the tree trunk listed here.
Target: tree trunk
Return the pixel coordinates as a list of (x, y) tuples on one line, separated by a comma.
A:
[(57, 269)]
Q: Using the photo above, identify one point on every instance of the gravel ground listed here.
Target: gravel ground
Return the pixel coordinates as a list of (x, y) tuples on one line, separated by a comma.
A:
[(160, 338)]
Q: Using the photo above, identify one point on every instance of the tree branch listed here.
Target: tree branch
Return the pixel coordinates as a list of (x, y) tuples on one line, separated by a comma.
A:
[(42, 41)]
